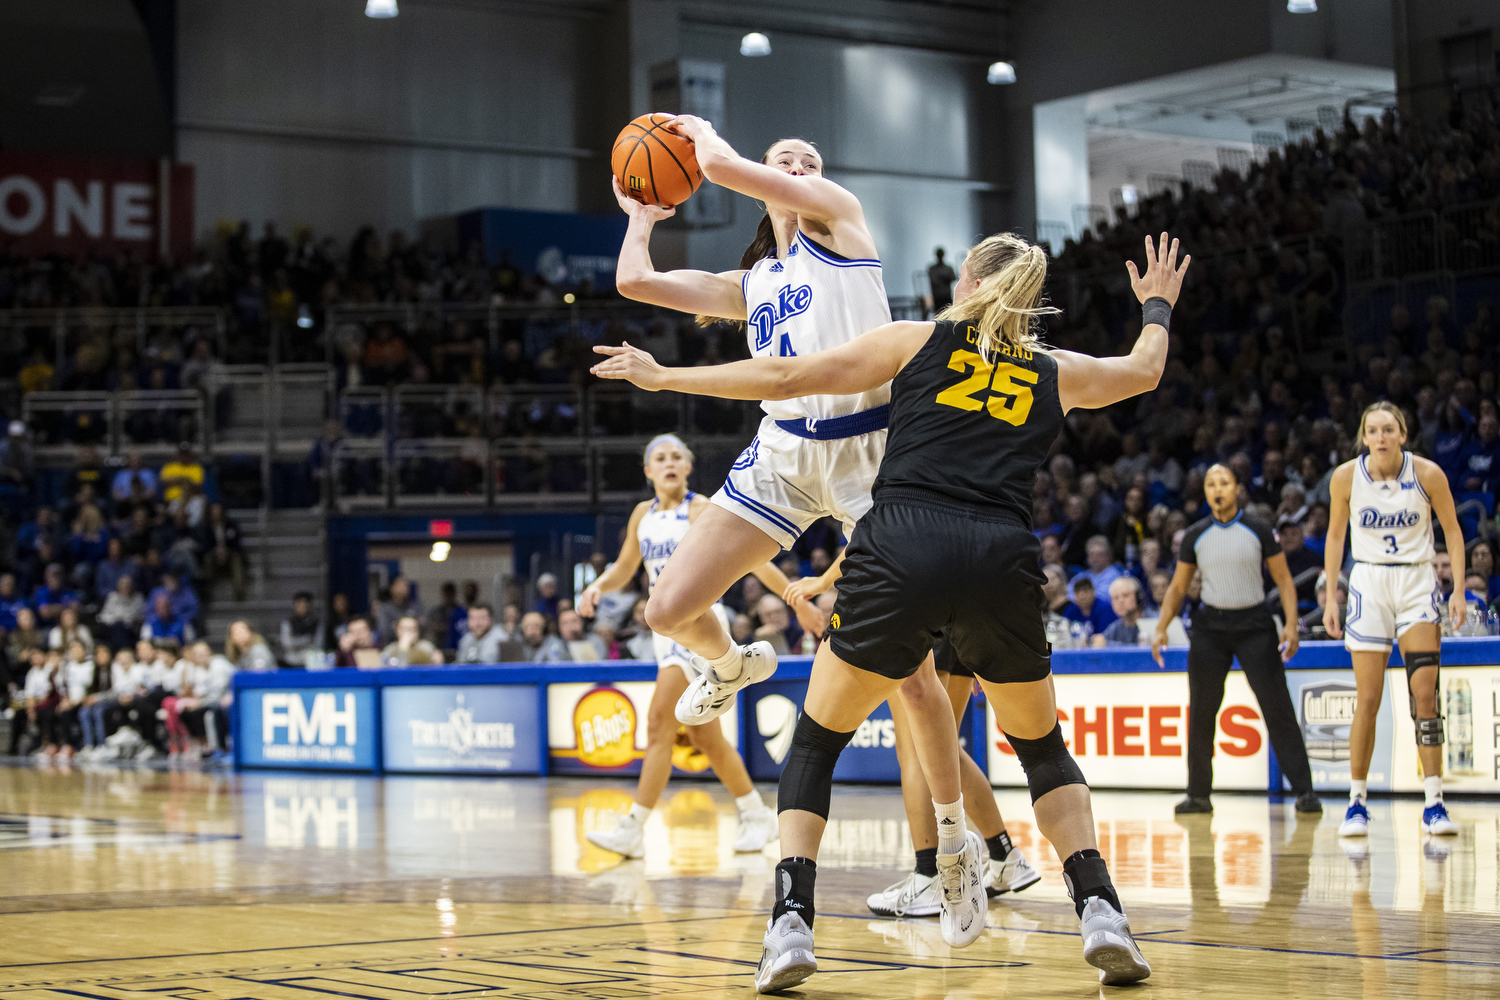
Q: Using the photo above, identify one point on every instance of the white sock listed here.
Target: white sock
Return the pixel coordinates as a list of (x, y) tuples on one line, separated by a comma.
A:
[(1357, 790), (1432, 785), (728, 666), (638, 813), (749, 802), (950, 819)]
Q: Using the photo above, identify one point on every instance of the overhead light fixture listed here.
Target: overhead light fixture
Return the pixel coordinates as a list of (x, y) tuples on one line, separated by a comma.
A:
[(381, 8), (439, 551), (1002, 72), (304, 317), (755, 44), (1302, 6)]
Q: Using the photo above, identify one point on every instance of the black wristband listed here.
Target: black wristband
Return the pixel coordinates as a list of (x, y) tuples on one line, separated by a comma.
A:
[(1156, 310)]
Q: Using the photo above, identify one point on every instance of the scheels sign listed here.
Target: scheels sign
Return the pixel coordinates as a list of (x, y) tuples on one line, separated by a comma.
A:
[(83, 205)]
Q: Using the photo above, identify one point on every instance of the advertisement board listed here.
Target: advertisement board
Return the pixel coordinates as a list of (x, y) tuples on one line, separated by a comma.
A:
[(326, 729), (94, 204), (1469, 700), (1130, 731), (601, 729), (1324, 700), (479, 728), (563, 247), (774, 707)]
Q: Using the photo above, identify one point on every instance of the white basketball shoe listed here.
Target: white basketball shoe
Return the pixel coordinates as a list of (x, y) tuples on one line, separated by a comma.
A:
[(786, 957), (917, 895), (963, 900), (1012, 874), (707, 697), (1108, 945), (757, 829), (627, 838)]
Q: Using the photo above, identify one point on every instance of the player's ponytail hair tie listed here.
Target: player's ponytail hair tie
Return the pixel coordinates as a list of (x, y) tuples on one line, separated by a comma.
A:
[(1012, 275)]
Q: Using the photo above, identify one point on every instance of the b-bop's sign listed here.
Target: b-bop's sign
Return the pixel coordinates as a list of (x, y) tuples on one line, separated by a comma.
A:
[(478, 728), (594, 728), (322, 728)]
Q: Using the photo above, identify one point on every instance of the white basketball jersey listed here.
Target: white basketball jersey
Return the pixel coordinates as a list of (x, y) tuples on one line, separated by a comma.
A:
[(659, 532), (810, 302), (1390, 520)]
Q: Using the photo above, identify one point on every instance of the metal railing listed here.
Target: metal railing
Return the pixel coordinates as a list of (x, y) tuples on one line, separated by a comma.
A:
[(1458, 238), (69, 326)]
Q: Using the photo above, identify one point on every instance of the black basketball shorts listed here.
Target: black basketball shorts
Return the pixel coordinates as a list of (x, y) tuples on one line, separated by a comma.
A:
[(918, 565), (947, 660)]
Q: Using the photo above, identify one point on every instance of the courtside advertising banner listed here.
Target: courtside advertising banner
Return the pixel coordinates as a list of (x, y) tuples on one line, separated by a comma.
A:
[(1325, 700), (325, 729), (601, 729), (774, 707), (1469, 701), (481, 729), (1130, 731), (83, 205)]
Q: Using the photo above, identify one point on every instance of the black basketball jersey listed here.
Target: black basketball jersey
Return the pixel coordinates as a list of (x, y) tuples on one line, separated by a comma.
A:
[(973, 428)]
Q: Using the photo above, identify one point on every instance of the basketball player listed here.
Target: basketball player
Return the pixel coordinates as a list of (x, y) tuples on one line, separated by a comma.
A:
[(919, 894), (656, 528), (1386, 498), (809, 282), (976, 405)]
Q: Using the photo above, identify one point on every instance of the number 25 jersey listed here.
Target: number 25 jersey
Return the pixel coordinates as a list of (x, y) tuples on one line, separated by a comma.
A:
[(973, 428), (1390, 520)]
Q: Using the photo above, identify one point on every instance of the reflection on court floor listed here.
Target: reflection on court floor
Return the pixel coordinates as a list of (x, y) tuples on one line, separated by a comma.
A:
[(129, 883)]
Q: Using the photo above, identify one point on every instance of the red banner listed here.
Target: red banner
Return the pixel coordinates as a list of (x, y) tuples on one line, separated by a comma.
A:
[(80, 205)]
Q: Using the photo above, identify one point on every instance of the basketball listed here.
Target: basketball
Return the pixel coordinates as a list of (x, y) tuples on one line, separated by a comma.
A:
[(653, 165)]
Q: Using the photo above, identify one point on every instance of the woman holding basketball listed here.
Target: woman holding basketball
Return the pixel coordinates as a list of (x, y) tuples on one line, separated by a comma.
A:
[(1385, 499), (656, 528), (809, 282)]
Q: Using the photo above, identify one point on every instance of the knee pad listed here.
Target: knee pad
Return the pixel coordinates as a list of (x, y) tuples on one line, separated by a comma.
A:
[(1429, 732), (1047, 763), (1415, 662), (807, 780)]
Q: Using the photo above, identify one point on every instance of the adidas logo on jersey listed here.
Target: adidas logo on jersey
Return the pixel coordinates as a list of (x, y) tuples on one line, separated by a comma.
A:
[(777, 267)]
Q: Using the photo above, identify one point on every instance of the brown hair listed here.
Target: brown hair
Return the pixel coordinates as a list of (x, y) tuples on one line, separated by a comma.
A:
[(1388, 407), (764, 243), (1011, 275)]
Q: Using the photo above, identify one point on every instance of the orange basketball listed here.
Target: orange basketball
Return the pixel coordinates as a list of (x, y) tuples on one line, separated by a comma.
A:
[(653, 165)]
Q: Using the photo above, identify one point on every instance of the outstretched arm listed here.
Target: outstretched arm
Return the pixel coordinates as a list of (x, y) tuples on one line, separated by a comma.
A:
[(809, 195), (689, 291), (864, 363), (1091, 382)]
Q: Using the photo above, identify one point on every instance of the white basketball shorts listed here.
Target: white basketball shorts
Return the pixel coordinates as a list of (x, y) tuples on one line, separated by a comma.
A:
[(782, 483), (669, 653), (1386, 600)]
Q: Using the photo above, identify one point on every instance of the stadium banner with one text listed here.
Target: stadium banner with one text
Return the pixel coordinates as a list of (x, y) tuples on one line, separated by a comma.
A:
[(601, 729), (1130, 731), (310, 728), (475, 728), (85, 205)]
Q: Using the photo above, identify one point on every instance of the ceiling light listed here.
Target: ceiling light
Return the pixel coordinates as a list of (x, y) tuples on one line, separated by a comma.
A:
[(439, 551), (381, 8), (1302, 6), (1002, 72), (755, 44)]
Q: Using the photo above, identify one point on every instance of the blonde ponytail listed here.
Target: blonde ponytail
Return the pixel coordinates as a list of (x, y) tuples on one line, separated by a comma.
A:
[(1011, 274)]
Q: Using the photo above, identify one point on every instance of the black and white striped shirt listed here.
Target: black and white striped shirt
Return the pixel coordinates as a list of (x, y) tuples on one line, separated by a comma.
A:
[(1229, 554)]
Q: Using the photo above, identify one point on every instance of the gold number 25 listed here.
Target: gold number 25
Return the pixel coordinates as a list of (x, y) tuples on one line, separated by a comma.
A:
[(1010, 385)]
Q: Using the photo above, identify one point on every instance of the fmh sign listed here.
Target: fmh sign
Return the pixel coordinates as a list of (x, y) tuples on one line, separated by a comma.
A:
[(84, 204), (334, 727)]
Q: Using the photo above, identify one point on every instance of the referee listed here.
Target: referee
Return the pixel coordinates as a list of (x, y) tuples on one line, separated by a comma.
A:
[(1228, 548)]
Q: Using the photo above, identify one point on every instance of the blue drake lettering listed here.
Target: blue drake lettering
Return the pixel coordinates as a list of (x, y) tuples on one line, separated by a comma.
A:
[(790, 301), (1369, 517)]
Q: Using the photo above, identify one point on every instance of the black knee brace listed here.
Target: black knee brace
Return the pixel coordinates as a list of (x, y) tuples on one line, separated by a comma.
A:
[(1429, 731), (1047, 763), (807, 779)]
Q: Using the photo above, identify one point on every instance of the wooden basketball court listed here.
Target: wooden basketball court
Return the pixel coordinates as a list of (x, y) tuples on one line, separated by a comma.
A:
[(138, 883)]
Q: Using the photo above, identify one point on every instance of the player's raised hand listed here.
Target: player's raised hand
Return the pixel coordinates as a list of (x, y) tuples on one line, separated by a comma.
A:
[(631, 364), (690, 127), (1163, 277), (637, 209)]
